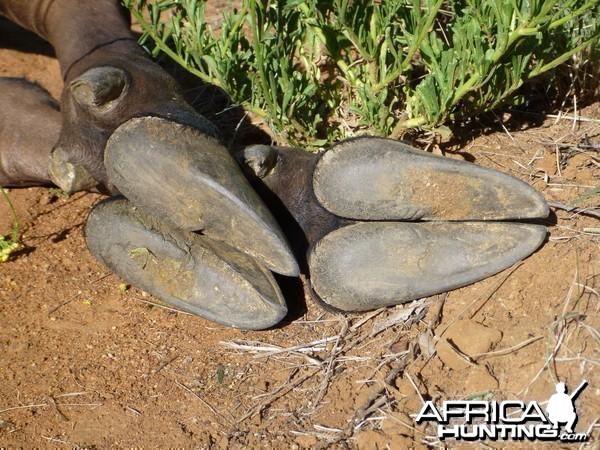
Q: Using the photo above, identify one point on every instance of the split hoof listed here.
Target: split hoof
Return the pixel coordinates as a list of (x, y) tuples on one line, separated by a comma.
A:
[(191, 272), (188, 179), (382, 179), (369, 265), (358, 266)]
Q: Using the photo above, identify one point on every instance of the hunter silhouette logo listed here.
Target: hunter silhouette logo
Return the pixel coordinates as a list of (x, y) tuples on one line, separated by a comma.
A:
[(508, 420), (561, 408)]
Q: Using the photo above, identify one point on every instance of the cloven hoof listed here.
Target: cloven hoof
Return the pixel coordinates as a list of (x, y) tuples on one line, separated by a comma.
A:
[(383, 179), (461, 213), (373, 264), (191, 272)]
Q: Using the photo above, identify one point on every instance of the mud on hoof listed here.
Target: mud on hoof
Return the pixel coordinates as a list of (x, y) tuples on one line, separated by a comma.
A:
[(371, 258), (383, 179), (370, 265), (127, 129), (188, 179), (191, 272)]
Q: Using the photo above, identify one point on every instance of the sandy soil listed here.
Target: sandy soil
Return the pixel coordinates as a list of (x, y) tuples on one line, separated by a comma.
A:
[(85, 365)]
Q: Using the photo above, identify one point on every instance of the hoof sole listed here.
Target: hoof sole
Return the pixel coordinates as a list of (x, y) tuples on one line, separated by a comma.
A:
[(188, 179), (188, 271), (369, 265), (382, 179)]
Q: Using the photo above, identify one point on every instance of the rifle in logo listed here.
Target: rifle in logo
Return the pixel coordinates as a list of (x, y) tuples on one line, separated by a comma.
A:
[(577, 391)]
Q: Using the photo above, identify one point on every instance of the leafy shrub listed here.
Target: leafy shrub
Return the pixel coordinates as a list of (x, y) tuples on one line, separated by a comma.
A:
[(323, 70)]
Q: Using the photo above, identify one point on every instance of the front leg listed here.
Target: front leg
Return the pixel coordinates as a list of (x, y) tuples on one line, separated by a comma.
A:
[(183, 174)]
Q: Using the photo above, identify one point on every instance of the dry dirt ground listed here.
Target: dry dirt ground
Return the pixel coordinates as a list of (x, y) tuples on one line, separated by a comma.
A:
[(85, 365)]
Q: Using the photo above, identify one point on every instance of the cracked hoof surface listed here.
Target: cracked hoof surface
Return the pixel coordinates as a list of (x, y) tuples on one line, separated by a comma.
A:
[(369, 265), (191, 272), (382, 179), (188, 179)]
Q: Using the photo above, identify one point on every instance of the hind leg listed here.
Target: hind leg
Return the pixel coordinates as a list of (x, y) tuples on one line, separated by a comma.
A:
[(126, 128), (354, 202)]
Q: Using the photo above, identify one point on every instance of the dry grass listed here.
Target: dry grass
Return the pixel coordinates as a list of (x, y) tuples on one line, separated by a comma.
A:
[(374, 354), (407, 334)]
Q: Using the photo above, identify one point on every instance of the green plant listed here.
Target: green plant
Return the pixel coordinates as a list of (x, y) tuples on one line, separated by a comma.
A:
[(273, 74), (323, 70), (9, 242), (143, 253), (496, 47)]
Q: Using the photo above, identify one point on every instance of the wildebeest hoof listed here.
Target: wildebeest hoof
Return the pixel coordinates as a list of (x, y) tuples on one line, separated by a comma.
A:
[(189, 271), (383, 179), (69, 177), (188, 179), (373, 264), (370, 258)]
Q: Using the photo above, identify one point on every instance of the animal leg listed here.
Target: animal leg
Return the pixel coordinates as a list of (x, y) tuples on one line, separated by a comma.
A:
[(187, 270), (29, 127), (112, 91)]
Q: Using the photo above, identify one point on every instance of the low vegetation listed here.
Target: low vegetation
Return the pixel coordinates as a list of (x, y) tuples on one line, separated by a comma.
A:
[(9, 242), (323, 70)]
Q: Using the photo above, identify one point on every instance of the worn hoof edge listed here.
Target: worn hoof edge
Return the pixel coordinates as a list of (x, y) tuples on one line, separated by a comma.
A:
[(191, 272), (187, 178), (370, 265)]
